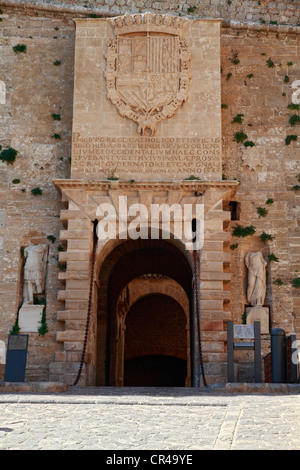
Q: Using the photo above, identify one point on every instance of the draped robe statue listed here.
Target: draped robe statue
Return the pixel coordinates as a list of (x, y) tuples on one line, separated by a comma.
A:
[(34, 271), (256, 289)]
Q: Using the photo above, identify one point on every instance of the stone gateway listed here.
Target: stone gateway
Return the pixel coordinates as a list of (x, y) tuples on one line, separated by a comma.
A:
[(149, 170)]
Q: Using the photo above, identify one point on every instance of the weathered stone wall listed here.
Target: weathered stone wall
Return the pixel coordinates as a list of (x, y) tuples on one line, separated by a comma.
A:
[(259, 11), (269, 169), (36, 88)]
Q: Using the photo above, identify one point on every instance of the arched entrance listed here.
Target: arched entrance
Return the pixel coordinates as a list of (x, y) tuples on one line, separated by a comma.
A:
[(118, 320)]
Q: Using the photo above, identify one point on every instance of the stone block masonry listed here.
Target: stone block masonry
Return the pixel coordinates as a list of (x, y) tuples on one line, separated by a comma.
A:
[(255, 87), (35, 89), (277, 11)]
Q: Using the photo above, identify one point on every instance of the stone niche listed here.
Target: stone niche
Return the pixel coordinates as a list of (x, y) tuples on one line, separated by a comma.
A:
[(147, 103)]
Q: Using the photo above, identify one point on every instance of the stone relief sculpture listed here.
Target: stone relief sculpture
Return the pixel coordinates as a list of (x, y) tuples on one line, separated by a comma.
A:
[(147, 68), (256, 288), (34, 271)]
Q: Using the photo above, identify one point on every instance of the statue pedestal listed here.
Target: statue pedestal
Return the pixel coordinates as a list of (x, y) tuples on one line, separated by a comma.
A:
[(30, 317), (260, 314)]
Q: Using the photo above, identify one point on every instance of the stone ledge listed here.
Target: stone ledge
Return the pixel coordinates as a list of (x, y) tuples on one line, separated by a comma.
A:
[(33, 387), (218, 388), (252, 388)]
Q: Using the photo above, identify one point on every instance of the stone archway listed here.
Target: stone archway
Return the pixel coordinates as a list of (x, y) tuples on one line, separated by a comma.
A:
[(82, 200)]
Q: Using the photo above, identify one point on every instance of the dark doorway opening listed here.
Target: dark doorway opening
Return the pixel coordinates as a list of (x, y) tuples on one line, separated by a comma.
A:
[(155, 337), (155, 371), (128, 261)]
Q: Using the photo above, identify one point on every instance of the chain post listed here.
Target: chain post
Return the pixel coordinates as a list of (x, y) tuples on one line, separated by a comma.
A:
[(197, 302), (95, 239)]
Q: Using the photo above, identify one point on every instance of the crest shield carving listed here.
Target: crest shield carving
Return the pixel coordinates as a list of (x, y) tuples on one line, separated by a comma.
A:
[(148, 68)]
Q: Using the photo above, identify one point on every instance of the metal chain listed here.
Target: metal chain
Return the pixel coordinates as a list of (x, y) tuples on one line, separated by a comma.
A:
[(95, 222), (197, 284)]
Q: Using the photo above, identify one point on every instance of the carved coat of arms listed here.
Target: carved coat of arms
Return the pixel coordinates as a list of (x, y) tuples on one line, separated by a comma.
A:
[(148, 68)]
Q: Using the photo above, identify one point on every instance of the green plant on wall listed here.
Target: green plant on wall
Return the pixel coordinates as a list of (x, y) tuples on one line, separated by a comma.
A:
[(36, 191), (262, 212), (270, 63), (15, 329), (241, 232), (191, 10), (51, 238), (294, 120), (113, 178), (293, 106), (20, 49), (289, 139), (61, 266), (238, 119), (191, 178), (296, 187), (56, 117), (248, 143), (234, 57), (240, 137), (296, 282), (272, 257), (43, 329), (8, 155), (265, 237)]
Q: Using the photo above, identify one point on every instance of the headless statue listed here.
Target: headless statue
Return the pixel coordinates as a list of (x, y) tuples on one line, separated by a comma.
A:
[(256, 289), (34, 271)]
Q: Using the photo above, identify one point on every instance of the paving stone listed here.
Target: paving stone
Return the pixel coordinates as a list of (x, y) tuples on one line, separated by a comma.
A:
[(148, 419)]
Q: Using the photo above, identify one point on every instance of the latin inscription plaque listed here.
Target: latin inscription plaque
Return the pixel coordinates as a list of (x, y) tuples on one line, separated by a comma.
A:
[(143, 155)]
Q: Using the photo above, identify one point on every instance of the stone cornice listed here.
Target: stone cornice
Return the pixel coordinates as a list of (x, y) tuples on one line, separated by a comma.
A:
[(105, 12), (249, 26), (182, 185)]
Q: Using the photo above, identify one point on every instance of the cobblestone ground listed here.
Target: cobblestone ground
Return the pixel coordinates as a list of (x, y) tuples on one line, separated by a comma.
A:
[(149, 419)]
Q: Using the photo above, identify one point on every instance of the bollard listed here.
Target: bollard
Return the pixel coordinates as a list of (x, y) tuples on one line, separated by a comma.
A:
[(278, 356)]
